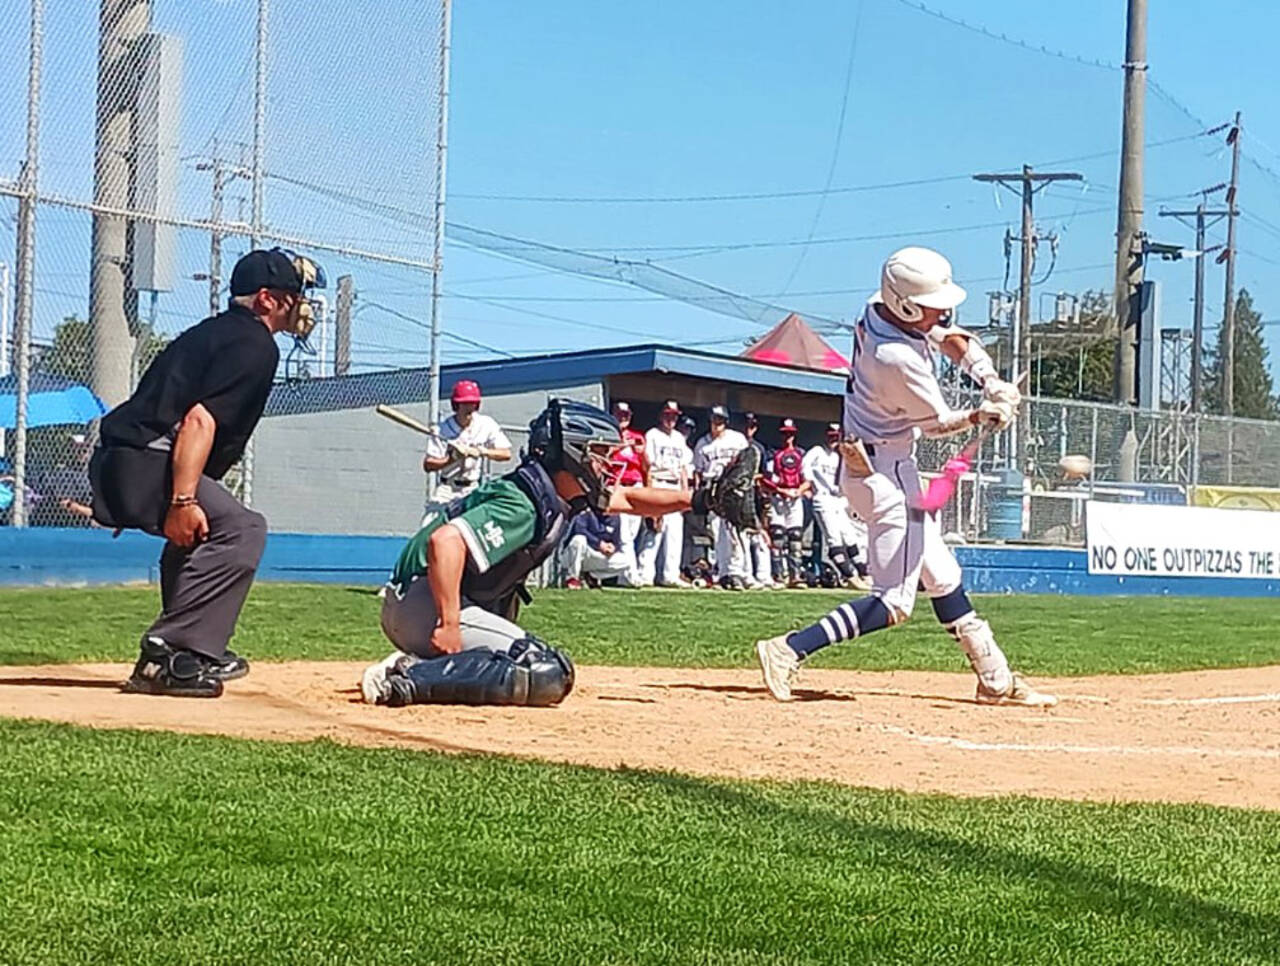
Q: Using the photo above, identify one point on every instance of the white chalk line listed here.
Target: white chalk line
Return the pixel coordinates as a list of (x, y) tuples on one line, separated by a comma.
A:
[(964, 744), (1230, 699)]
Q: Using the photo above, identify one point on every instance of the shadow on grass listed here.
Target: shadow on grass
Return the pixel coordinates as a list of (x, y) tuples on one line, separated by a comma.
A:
[(1078, 889)]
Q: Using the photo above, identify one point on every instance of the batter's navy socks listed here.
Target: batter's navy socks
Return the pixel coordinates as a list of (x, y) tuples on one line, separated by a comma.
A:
[(166, 670), (230, 667), (849, 620)]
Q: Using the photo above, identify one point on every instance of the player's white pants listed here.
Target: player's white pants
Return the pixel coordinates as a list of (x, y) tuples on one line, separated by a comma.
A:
[(409, 622), (442, 494), (839, 527), (731, 548), (660, 551), (904, 546), (786, 512), (628, 535), (578, 558)]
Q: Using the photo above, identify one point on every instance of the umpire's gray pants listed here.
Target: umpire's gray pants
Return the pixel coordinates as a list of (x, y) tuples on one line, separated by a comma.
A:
[(409, 622), (203, 589)]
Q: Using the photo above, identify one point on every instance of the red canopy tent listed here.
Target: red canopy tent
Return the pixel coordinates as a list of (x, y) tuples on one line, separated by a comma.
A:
[(793, 343)]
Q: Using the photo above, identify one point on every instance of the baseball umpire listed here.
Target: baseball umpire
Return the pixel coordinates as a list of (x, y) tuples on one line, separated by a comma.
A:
[(452, 598), (162, 451)]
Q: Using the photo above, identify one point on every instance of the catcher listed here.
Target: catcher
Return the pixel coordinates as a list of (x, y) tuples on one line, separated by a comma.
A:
[(451, 601)]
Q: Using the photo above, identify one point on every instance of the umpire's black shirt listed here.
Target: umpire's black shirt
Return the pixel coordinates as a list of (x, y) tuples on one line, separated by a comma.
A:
[(226, 363)]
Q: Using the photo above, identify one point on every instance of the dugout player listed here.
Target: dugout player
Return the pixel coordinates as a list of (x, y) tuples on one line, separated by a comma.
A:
[(843, 535), (710, 456), (892, 398), (448, 607), (162, 451), (760, 562), (633, 471), (787, 488)]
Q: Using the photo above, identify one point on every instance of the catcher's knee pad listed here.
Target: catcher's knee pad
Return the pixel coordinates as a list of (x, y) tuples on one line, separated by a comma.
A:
[(778, 537), (532, 674)]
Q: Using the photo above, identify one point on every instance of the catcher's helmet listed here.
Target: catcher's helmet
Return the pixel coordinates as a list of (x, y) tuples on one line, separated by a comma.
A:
[(916, 277), (581, 440)]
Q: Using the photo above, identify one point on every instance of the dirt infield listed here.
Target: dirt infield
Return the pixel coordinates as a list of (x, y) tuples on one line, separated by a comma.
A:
[(1208, 736)]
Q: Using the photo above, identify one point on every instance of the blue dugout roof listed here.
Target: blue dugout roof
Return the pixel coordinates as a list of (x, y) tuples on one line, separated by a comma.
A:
[(529, 373)]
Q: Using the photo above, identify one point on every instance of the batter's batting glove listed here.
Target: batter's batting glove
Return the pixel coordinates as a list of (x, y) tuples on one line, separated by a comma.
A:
[(733, 495), (996, 415), (997, 390)]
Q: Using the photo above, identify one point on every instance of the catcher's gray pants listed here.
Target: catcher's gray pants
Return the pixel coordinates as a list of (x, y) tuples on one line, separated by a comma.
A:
[(203, 589), (409, 622)]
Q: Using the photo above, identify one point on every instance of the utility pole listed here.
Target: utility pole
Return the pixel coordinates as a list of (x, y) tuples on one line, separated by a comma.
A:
[(1028, 183), (1201, 214), (342, 326), (1229, 306), (113, 302), (1129, 254), (222, 174)]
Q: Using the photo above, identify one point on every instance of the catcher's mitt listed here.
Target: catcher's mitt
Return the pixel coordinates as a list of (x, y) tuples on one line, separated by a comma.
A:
[(733, 495)]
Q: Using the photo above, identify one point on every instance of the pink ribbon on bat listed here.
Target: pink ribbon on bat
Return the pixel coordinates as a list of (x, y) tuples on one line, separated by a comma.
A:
[(942, 487)]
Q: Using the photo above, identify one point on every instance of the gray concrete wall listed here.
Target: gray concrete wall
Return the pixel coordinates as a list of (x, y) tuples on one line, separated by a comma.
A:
[(352, 471)]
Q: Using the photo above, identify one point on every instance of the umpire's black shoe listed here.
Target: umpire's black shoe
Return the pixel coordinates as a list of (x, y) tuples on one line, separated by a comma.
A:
[(230, 667), (162, 669)]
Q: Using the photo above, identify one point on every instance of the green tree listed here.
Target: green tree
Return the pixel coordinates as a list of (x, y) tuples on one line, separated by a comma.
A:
[(1253, 390), (72, 351)]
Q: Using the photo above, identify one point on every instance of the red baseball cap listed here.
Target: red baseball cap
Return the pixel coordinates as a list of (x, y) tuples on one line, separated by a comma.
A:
[(671, 407), (465, 391), (788, 426)]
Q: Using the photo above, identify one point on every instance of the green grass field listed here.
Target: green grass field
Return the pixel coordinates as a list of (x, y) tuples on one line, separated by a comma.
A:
[(1045, 635), (142, 848), (152, 848)]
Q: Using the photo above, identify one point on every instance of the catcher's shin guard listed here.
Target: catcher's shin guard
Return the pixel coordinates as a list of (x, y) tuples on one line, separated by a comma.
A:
[(532, 674), (795, 551)]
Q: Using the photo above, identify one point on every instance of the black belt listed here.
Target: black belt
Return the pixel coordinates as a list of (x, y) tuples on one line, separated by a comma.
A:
[(458, 482)]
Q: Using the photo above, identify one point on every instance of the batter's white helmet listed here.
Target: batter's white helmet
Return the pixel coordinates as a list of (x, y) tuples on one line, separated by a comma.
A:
[(915, 277)]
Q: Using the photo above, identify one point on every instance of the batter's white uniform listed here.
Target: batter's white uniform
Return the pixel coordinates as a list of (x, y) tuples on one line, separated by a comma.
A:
[(460, 478), (710, 457), (893, 398), (821, 468), (670, 464)]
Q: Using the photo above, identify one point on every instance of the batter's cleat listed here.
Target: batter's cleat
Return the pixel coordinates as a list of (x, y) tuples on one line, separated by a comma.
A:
[(166, 670), (779, 664), (1020, 694), (230, 667), (373, 683)]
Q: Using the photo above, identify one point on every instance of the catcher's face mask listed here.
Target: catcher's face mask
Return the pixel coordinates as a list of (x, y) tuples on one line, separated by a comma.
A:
[(302, 315), (604, 469)]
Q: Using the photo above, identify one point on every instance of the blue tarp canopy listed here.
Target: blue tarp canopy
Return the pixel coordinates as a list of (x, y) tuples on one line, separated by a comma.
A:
[(51, 401)]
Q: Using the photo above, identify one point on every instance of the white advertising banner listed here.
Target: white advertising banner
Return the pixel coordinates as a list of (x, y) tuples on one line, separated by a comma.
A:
[(1177, 541)]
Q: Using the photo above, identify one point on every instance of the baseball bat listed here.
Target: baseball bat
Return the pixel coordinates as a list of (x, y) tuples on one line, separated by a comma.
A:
[(404, 419)]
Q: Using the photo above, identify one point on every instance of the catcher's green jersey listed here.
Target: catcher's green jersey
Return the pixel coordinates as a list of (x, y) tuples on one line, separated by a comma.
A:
[(497, 519)]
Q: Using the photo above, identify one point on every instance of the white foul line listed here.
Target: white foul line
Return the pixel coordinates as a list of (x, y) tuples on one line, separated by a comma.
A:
[(1230, 699), (965, 744)]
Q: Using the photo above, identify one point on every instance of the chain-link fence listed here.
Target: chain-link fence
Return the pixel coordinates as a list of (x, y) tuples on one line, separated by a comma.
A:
[(1135, 456), (146, 144)]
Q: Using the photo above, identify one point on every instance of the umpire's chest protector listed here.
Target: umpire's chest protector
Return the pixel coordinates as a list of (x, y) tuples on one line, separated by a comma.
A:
[(499, 581)]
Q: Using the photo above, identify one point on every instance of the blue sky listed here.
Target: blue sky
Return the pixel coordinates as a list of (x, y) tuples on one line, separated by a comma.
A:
[(665, 99)]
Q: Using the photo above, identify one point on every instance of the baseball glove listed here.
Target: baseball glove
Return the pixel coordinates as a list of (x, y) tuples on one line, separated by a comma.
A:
[(733, 495)]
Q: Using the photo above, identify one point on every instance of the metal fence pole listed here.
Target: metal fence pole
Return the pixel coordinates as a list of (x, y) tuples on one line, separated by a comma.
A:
[(256, 178), (1195, 449), (26, 264), (442, 142), (1093, 451)]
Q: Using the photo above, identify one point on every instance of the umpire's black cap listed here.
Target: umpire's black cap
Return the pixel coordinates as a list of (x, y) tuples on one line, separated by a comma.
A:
[(271, 269)]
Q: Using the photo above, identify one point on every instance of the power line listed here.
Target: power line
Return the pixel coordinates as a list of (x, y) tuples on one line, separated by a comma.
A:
[(835, 150)]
